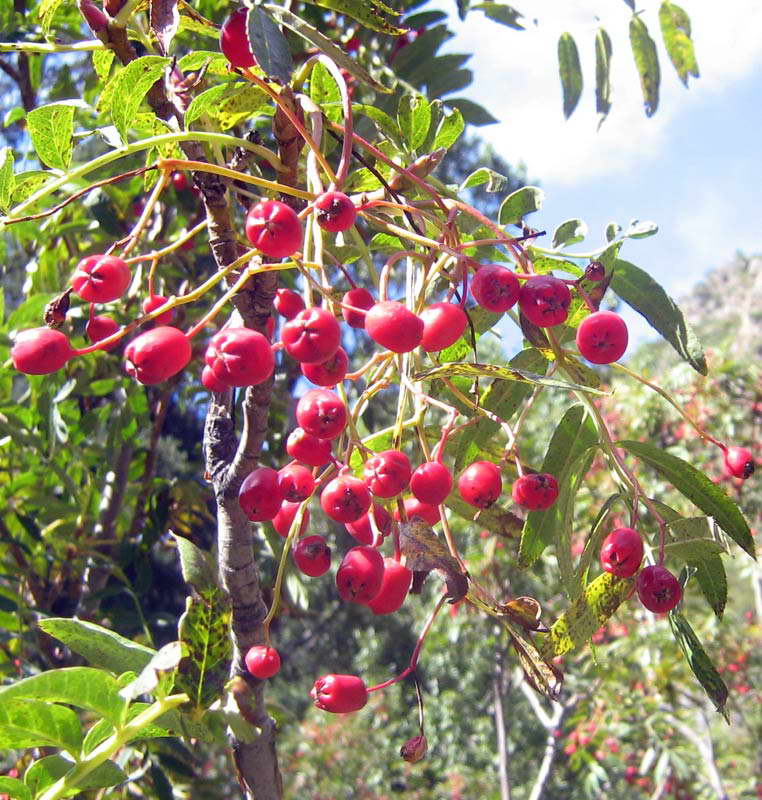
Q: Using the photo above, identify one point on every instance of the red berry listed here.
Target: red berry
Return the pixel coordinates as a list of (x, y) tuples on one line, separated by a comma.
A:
[(388, 473), (288, 303), (101, 279), (335, 212), (101, 327), (480, 484), (362, 530), (312, 556), (339, 694), (394, 326), (284, 519), (443, 325), (345, 499), (157, 301), (622, 552), (234, 42), (545, 300), (260, 495), (212, 382), (157, 354), (296, 482), (431, 483), (330, 372), (354, 304), (658, 589), (495, 288), (180, 181), (39, 351), (308, 449), (262, 662), (321, 413), (360, 574), (602, 337), (240, 357), (274, 228), (739, 462), (415, 508), (312, 336), (395, 585), (536, 491)]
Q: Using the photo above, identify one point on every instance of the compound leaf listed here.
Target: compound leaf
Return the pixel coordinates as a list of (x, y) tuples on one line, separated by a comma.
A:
[(676, 32), (646, 62), (570, 72)]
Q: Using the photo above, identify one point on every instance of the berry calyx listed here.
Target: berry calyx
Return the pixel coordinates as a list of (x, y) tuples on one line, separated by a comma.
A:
[(360, 574), (495, 288), (622, 552), (415, 508), (431, 483), (157, 301), (602, 337), (296, 482), (321, 413), (312, 556), (395, 584), (335, 212), (312, 336), (354, 304), (545, 300), (443, 325), (288, 303), (157, 354), (40, 351), (234, 42), (260, 495), (535, 492), (101, 279), (739, 462), (274, 228), (330, 372), (284, 519), (388, 473), (339, 694), (262, 662), (345, 499), (362, 529), (240, 357), (394, 326), (658, 589), (309, 449), (480, 484), (101, 327)]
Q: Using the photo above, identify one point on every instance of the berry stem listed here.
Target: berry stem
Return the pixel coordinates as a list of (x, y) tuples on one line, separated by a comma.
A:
[(158, 254), (346, 145), (134, 235)]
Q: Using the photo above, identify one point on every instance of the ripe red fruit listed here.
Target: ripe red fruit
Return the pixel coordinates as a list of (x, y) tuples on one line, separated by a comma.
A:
[(658, 589), (234, 42), (480, 484), (296, 482), (360, 574), (622, 552), (443, 325), (274, 228), (394, 326), (240, 357), (212, 382), (602, 337), (387, 473), (335, 212), (262, 662), (312, 556), (330, 372), (345, 499), (157, 354), (39, 351), (431, 482), (288, 303), (180, 181), (156, 301), (339, 694), (739, 462), (361, 528), (283, 520), (308, 449), (359, 300), (495, 288), (312, 336), (545, 300), (101, 279), (415, 508), (395, 585), (101, 327), (260, 495), (321, 413), (535, 492)]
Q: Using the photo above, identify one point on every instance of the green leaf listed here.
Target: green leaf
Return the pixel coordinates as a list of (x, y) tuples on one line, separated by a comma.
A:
[(46, 12), (196, 564), (268, 44), (570, 71), (414, 118), (51, 128), (15, 789), (494, 180), (27, 183), (569, 232), (499, 12), (520, 203), (385, 123), (713, 582), (367, 12), (676, 32), (495, 519), (34, 723), (698, 489), (103, 729), (239, 104), (98, 645), (602, 74), (324, 92), (646, 62), (13, 115), (215, 62), (641, 230), (205, 101), (46, 771), (157, 675), (473, 113), (641, 292), (102, 61), (129, 86), (449, 130), (7, 178)]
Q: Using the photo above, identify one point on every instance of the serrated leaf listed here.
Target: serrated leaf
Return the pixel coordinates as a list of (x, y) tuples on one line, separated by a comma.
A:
[(7, 178), (34, 723), (268, 44), (424, 551), (196, 565), (613, 229), (102, 61), (129, 86), (240, 104), (103, 729), (570, 72), (692, 539), (165, 21), (27, 183), (641, 292), (520, 203), (15, 789), (385, 123), (369, 13), (156, 676), (473, 113), (46, 12), (13, 115), (646, 62), (641, 230), (569, 232), (494, 180), (502, 13), (46, 771), (324, 92), (51, 128), (602, 74), (713, 582), (698, 488), (205, 101), (414, 118), (676, 32), (450, 127)]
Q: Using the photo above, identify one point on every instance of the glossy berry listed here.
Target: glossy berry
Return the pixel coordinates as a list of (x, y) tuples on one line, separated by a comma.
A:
[(234, 42), (739, 462), (395, 585), (321, 413), (308, 449), (602, 337), (545, 300), (211, 382), (40, 351), (101, 327), (330, 372), (495, 288), (240, 357), (180, 181), (362, 529), (157, 354), (157, 301), (480, 484), (101, 279), (360, 574), (415, 508), (284, 519), (288, 303), (262, 662), (335, 212), (536, 491), (658, 589), (345, 499), (312, 556), (622, 552), (394, 326), (312, 336), (431, 483), (296, 482), (387, 474), (443, 325), (274, 229), (260, 495), (354, 305), (339, 694)]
